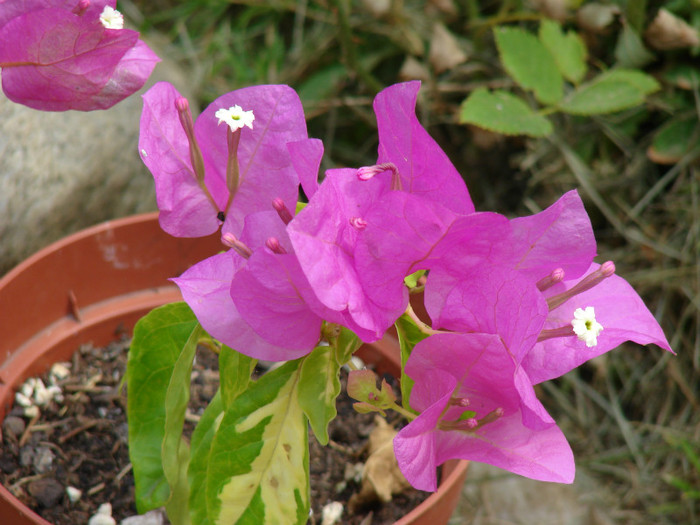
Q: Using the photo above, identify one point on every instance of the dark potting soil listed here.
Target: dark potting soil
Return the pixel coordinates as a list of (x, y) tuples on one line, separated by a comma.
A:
[(82, 442)]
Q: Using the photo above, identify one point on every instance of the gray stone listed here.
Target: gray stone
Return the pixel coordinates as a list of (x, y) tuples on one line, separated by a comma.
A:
[(13, 427), (47, 491), (61, 172), (493, 496), (43, 460)]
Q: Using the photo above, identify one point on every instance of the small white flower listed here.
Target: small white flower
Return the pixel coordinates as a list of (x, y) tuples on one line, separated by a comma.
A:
[(586, 327), (111, 18), (235, 117)]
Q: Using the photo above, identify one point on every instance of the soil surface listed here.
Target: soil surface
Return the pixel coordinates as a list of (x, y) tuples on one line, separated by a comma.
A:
[(81, 441)]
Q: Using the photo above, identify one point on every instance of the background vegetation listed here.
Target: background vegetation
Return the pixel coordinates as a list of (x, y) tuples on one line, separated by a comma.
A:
[(633, 415)]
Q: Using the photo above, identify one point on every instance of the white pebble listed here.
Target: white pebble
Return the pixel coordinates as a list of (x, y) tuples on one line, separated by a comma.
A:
[(331, 513), (22, 400), (27, 388), (42, 395), (154, 517), (103, 516), (31, 411), (73, 494), (59, 371)]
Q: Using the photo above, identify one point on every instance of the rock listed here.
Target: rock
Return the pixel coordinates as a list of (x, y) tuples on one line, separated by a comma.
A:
[(492, 495), (154, 517), (61, 172), (74, 494), (13, 427), (43, 460), (103, 516), (46, 491)]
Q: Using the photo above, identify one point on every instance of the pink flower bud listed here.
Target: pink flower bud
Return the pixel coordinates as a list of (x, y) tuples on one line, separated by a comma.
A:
[(589, 281), (553, 278), (81, 7), (230, 240), (282, 210), (274, 245)]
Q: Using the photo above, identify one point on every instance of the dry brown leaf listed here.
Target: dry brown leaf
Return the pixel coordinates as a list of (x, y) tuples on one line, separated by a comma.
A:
[(412, 69), (445, 51), (381, 477), (667, 31)]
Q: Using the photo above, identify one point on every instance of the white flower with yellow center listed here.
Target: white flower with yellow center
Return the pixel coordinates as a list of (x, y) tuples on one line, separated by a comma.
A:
[(111, 18), (586, 327), (235, 117)]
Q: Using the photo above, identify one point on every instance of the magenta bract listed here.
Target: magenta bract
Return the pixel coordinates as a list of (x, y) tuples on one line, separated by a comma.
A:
[(505, 425), (357, 239), (54, 59), (618, 308), (266, 171)]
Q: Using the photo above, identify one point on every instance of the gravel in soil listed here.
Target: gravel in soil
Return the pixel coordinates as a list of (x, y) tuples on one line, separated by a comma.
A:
[(80, 441)]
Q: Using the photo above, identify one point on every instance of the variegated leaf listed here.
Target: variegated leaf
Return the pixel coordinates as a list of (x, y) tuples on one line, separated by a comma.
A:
[(258, 469)]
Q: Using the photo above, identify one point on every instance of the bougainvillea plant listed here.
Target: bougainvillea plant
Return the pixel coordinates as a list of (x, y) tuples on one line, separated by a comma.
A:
[(58, 55), (511, 302)]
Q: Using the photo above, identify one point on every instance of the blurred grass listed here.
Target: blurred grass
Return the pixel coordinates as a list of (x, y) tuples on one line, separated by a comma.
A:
[(632, 415)]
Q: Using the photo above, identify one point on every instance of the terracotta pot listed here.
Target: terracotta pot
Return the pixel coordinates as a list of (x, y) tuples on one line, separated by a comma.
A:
[(95, 284)]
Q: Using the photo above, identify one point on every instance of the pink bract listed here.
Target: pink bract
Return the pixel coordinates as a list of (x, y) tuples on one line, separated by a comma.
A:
[(328, 235), (55, 60), (476, 367), (266, 169), (618, 308)]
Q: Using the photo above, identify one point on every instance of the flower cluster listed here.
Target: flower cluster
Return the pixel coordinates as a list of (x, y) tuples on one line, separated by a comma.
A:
[(513, 302), (58, 55)]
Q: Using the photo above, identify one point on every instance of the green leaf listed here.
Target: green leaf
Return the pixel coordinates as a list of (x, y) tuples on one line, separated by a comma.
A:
[(235, 370), (319, 387), (202, 438), (683, 76), (259, 461), (175, 453), (604, 94), (635, 14), (412, 280), (362, 386), (645, 83), (158, 388), (346, 344), (630, 51), (503, 113), (530, 64), (569, 51), (409, 336), (323, 84), (674, 139)]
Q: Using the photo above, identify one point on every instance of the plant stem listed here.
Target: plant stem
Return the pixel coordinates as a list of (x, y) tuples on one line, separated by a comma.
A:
[(421, 325), (349, 49)]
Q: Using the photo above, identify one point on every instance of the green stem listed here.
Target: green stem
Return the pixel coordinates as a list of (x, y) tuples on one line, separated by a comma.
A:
[(421, 325), (349, 49), (405, 413)]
